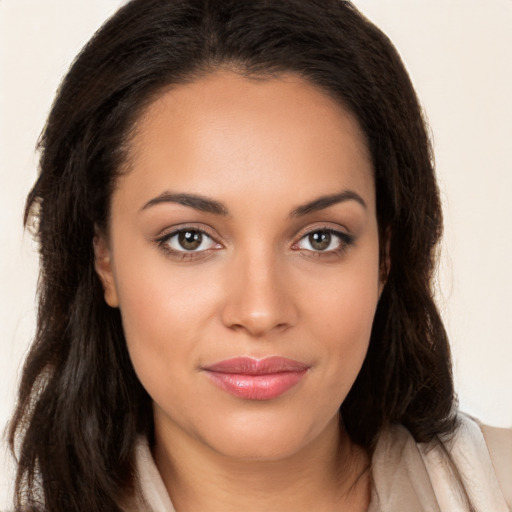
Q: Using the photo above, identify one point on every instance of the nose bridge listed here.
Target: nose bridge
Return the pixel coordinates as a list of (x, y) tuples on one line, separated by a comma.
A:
[(257, 300)]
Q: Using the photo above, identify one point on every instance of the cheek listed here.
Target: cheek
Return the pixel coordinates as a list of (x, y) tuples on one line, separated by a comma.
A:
[(341, 313), (164, 310), (162, 328), (345, 298)]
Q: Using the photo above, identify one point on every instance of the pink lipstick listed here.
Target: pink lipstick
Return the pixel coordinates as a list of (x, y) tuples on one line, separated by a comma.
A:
[(256, 379)]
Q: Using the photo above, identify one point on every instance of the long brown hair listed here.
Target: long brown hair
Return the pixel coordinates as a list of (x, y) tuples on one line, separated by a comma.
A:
[(80, 406)]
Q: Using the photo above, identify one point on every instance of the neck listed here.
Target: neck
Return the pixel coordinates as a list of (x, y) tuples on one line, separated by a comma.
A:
[(330, 473)]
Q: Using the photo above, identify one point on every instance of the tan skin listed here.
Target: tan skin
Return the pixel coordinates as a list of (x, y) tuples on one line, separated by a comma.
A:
[(271, 271)]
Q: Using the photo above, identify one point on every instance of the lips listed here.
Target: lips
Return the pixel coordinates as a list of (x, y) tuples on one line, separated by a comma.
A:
[(256, 379)]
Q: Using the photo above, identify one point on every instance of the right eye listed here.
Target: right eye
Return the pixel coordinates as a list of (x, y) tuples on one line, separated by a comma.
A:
[(188, 240)]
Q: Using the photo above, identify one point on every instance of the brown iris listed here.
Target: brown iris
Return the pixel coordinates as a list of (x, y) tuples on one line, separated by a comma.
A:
[(190, 240), (320, 240)]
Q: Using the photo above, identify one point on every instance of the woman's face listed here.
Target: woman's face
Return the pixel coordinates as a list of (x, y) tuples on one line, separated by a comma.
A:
[(243, 254)]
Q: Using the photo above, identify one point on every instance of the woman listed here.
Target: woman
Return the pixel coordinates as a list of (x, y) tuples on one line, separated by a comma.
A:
[(238, 220)]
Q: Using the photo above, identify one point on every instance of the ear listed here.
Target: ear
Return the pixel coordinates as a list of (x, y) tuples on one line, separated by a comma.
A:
[(103, 267), (385, 261)]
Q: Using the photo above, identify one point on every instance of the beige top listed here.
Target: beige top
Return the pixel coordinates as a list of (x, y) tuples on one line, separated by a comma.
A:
[(407, 476)]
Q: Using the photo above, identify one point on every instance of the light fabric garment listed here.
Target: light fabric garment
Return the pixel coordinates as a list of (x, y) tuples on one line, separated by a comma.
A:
[(417, 477), (407, 477)]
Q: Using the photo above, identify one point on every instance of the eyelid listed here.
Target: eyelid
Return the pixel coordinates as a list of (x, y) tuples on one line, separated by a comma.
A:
[(322, 226), (161, 240), (346, 238)]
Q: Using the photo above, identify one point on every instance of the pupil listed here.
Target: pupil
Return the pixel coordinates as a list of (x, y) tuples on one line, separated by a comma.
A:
[(320, 240), (190, 240)]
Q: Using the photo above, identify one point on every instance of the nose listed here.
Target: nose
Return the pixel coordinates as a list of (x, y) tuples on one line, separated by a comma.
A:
[(258, 300)]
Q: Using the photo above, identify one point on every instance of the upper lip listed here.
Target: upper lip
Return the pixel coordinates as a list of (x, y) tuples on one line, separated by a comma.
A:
[(252, 366)]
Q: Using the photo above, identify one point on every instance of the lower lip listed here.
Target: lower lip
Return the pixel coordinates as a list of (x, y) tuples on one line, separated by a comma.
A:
[(256, 387)]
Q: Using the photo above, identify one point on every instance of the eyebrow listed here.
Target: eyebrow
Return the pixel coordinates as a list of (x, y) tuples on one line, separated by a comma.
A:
[(208, 205), (195, 201), (324, 202)]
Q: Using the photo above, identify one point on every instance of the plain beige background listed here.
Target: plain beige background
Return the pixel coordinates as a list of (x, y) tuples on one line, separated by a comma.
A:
[(458, 53)]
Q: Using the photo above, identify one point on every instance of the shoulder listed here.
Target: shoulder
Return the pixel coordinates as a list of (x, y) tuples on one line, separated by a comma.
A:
[(475, 456), (483, 458), (499, 444)]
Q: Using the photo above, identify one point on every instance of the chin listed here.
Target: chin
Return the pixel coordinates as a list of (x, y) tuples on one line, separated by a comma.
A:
[(266, 439)]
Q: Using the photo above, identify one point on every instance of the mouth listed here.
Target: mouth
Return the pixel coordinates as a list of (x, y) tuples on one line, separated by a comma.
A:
[(256, 379)]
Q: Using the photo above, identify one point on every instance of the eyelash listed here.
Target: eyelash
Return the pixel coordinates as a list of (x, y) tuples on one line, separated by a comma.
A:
[(164, 240), (344, 242)]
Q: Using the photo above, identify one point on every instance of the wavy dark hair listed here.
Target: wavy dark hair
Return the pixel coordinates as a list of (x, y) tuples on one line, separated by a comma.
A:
[(80, 406)]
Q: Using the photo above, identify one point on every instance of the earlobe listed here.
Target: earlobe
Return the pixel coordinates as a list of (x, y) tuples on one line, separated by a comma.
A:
[(103, 267)]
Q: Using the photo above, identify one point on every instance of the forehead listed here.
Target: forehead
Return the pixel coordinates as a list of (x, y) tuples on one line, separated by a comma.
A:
[(226, 133)]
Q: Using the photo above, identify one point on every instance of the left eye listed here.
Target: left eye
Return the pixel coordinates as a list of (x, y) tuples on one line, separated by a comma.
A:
[(322, 241), (189, 240)]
